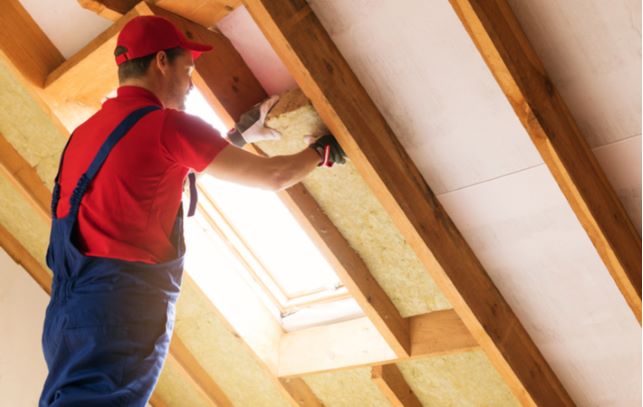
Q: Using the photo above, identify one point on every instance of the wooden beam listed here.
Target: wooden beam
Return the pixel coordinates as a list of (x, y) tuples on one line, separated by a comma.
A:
[(392, 384), (26, 44), (204, 12), (109, 9), (357, 343), (438, 333), (24, 177), (544, 114), (157, 401), (202, 379), (320, 70), (301, 393), (27, 50), (90, 74)]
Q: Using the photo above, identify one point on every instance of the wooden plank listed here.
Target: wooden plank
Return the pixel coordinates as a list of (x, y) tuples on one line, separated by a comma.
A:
[(390, 381), (27, 50), (109, 9), (204, 12), (438, 333), (339, 346), (544, 114), (24, 177), (356, 343), (316, 64), (197, 373), (26, 44), (157, 401), (301, 393), (90, 74)]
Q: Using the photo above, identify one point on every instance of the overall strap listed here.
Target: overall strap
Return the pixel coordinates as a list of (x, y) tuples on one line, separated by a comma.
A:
[(117, 134), (55, 196)]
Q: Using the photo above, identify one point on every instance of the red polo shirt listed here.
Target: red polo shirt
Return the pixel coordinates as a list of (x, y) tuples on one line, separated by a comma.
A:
[(129, 209)]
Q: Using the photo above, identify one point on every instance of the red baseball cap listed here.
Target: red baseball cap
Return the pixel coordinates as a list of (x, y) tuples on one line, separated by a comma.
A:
[(145, 35)]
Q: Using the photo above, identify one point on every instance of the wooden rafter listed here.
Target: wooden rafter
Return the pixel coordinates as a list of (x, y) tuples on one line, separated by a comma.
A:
[(32, 54), (301, 393), (544, 114), (16, 169), (203, 380), (204, 12), (320, 70), (90, 74), (157, 401), (31, 51), (109, 9), (392, 384)]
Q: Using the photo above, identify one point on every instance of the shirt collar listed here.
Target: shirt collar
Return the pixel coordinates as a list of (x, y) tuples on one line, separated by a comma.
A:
[(137, 92)]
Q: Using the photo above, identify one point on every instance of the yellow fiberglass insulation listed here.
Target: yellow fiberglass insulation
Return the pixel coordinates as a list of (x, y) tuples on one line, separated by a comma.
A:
[(349, 203), (222, 353), (347, 388)]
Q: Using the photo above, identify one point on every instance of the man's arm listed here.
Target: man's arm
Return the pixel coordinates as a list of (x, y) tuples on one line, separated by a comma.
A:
[(272, 173)]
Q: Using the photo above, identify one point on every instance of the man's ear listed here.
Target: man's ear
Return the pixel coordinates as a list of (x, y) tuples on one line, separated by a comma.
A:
[(161, 61)]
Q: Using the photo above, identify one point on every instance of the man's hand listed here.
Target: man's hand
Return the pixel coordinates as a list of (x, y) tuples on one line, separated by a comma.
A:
[(251, 125), (329, 150)]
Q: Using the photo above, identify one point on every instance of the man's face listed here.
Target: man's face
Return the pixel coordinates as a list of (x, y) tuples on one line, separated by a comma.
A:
[(180, 80)]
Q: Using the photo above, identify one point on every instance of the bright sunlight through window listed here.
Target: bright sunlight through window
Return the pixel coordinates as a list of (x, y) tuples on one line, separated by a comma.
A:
[(250, 232)]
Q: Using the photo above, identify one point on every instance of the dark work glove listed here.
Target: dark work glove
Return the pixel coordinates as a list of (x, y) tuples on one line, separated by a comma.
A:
[(329, 150)]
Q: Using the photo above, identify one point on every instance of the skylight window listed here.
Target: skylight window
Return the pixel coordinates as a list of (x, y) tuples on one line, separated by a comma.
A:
[(262, 240)]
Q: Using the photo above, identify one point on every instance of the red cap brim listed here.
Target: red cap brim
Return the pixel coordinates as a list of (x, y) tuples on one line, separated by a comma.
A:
[(196, 48)]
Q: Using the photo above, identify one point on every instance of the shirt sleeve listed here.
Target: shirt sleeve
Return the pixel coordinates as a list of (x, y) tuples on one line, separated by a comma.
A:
[(190, 141)]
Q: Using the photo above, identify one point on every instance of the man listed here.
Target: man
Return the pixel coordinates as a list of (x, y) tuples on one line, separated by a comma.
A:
[(116, 247)]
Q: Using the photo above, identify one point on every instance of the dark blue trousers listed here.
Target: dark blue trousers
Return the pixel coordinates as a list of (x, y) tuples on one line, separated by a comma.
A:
[(109, 322)]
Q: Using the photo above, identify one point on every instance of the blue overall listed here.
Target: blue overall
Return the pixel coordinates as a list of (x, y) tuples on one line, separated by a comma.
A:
[(109, 322)]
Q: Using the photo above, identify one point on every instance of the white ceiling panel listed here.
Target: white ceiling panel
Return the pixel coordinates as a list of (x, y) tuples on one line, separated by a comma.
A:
[(592, 51), (69, 26), (427, 78), (529, 241)]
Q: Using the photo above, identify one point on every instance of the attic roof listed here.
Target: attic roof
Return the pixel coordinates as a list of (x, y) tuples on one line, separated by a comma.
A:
[(498, 215)]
